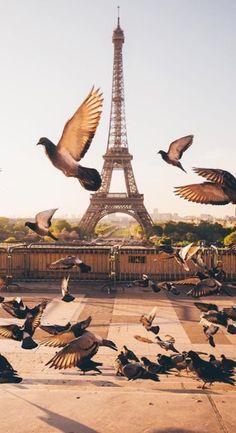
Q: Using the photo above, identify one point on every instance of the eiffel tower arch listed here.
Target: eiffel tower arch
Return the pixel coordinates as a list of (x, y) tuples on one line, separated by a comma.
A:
[(117, 157)]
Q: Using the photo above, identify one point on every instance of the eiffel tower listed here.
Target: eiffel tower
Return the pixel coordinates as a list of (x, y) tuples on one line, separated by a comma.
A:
[(117, 157)]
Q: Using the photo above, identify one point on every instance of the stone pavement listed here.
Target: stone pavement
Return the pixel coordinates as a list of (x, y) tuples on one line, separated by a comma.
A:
[(48, 400)]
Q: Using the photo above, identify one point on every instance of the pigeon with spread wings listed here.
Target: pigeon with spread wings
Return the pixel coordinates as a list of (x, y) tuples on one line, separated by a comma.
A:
[(176, 150), (75, 141), (220, 190), (42, 223)]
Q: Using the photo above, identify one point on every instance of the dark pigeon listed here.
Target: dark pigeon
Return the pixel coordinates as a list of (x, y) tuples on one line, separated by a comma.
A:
[(75, 141), (220, 190), (176, 150)]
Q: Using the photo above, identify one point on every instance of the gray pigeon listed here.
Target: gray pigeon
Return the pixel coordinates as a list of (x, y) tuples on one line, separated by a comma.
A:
[(176, 150), (219, 191), (42, 223), (75, 141)]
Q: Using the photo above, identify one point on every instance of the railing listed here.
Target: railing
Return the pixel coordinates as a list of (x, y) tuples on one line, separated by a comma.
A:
[(31, 263)]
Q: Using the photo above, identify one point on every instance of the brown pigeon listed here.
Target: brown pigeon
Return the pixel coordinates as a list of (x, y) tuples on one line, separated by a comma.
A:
[(176, 150), (42, 223), (220, 190), (75, 141)]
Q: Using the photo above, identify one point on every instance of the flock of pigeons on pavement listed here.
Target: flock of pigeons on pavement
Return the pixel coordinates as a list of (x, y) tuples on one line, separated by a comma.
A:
[(77, 344)]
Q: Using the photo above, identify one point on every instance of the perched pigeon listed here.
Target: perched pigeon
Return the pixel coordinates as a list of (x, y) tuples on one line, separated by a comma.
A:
[(75, 141), (176, 150), (42, 223), (85, 346), (152, 367), (70, 262), (220, 190), (207, 372), (66, 296), (7, 373), (135, 370), (227, 364), (129, 354)]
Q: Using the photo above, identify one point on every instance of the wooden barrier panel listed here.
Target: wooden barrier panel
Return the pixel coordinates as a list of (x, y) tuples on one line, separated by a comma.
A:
[(32, 263)]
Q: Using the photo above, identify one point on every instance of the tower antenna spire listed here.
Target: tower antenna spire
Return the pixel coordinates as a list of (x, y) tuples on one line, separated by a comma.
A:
[(118, 12)]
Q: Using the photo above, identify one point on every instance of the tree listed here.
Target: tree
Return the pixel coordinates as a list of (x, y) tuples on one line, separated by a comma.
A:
[(230, 239)]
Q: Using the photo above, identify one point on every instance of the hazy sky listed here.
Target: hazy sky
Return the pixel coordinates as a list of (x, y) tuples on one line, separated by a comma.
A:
[(179, 62)]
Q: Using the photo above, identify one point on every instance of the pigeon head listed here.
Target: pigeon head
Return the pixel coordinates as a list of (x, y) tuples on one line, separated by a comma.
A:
[(30, 225), (162, 152), (44, 141)]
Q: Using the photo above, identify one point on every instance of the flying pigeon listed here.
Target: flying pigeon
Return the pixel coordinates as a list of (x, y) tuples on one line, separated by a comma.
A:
[(85, 346), (66, 296), (42, 223), (75, 141), (70, 262), (176, 150), (220, 190), (16, 307), (167, 344), (147, 320), (63, 338), (25, 332)]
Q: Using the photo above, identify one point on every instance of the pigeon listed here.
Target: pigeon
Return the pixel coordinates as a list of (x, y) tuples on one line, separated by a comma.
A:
[(167, 344), (87, 364), (188, 252), (135, 370), (152, 367), (63, 338), (144, 282), (215, 361), (66, 296), (85, 346), (75, 141), (165, 361), (42, 223), (7, 373), (5, 365), (227, 364), (129, 354), (55, 329), (220, 190), (207, 372), (147, 320), (70, 262), (25, 332), (176, 150), (209, 332), (16, 307), (206, 287)]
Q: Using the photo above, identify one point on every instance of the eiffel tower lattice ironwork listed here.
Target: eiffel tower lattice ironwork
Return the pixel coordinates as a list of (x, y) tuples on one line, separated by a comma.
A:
[(117, 157)]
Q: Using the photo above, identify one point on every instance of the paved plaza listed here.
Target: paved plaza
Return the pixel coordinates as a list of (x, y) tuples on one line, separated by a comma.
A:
[(49, 400)]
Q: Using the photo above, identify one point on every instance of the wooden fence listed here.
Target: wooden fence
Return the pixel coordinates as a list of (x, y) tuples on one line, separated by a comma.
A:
[(127, 263)]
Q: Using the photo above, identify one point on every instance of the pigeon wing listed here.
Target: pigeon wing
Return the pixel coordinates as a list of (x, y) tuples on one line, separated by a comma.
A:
[(218, 176), (191, 281), (43, 219), (59, 340), (7, 331), (202, 306), (206, 193), (80, 129), (143, 339), (178, 147), (9, 309), (205, 287)]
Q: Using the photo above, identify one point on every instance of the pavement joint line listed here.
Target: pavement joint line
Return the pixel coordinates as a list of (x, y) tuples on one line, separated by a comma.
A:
[(217, 414)]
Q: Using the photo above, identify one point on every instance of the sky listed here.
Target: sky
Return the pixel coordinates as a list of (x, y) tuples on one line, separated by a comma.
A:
[(179, 60)]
